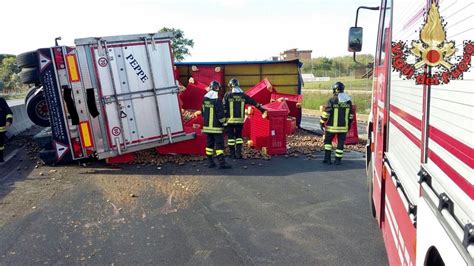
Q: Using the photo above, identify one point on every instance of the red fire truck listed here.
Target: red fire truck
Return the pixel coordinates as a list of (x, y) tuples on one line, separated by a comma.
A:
[(421, 130)]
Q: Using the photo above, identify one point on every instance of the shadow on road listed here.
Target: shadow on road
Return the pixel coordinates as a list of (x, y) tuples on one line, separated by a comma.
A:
[(277, 166)]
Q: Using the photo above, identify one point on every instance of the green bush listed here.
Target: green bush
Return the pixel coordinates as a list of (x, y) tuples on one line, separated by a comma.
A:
[(312, 100), (349, 82)]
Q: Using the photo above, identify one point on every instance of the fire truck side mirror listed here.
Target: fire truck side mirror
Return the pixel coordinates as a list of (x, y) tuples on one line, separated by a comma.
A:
[(355, 39)]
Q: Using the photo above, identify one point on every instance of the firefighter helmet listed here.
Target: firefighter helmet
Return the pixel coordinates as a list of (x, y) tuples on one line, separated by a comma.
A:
[(234, 83), (215, 86), (338, 87)]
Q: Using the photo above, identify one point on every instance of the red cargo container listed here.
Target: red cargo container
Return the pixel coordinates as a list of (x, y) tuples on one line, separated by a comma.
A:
[(196, 146), (262, 92), (278, 106), (269, 132), (246, 128), (192, 97), (206, 74), (121, 159), (196, 122), (290, 125), (294, 103), (176, 73)]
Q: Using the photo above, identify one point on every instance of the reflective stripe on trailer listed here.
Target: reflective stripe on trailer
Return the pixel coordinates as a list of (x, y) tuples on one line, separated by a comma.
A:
[(72, 68), (86, 134)]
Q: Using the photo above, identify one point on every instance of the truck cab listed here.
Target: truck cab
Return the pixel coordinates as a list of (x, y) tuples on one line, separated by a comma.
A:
[(421, 131)]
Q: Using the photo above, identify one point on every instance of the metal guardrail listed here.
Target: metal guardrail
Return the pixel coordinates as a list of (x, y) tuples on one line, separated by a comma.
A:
[(21, 121)]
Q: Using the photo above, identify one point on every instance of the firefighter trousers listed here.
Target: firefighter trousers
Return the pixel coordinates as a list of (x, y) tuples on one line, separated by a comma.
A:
[(341, 138), (214, 143), (2, 145), (234, 135)]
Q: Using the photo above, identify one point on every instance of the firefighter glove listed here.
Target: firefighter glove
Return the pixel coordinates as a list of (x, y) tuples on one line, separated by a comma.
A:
[(322, 126)]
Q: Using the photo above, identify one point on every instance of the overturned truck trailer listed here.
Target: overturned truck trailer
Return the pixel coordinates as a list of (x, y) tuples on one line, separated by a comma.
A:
[(284, 77), (106, 96)]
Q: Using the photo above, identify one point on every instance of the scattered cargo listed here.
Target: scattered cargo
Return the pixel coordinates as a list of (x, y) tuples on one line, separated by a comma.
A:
[(268, 130), (262, 92)]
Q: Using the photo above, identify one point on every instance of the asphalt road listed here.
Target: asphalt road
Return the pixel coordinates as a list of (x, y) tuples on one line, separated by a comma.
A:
[(285, 211), (312, 123)]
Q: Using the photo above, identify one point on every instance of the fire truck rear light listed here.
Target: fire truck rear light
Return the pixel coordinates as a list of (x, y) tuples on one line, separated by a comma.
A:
[(86, 135), (72, 68)]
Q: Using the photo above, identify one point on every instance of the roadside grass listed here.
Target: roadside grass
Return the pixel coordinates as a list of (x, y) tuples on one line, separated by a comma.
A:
[(312, 100), (350, 82)]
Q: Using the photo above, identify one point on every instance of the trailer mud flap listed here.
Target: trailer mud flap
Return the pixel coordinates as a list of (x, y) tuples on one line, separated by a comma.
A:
[(91, 104), (71, 108)]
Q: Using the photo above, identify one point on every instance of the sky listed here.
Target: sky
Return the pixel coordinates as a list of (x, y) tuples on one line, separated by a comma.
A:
[(231, 30)]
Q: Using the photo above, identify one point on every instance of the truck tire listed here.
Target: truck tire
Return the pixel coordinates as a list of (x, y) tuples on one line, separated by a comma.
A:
[(370, 186), (30, 76), (31, 92), (28, 59), (37, 110)]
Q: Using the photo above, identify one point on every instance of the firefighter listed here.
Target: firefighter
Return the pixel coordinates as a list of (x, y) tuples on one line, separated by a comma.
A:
[(234, 105), (213, 115), (6, 119), (335, 120)]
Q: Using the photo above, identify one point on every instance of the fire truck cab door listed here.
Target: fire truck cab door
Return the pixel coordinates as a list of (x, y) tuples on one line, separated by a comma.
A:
[(379, 111)]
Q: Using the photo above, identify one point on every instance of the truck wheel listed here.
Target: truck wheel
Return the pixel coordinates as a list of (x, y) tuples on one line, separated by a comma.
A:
[(29, 76), (37, 110), (31, 92), (370, 185), (28, 59)]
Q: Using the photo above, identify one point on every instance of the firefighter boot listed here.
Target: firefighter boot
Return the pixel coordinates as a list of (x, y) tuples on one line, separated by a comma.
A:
[(210, 162), (338, 161), (232, 152), (222, 163), (327, 157), (238, 151)]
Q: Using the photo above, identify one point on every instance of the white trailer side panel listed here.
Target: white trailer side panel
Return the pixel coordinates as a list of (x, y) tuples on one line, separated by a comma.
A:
[(137, 91)]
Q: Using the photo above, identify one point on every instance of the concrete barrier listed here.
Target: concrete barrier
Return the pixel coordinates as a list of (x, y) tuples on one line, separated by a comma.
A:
[(21, 122)]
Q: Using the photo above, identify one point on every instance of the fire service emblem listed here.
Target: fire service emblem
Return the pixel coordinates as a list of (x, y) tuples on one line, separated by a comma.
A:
[(435, 62)]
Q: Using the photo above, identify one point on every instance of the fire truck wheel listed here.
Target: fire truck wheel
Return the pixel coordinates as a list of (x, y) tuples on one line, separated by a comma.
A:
[(29, 76), (28, 59), (37, 110), (371, 187)]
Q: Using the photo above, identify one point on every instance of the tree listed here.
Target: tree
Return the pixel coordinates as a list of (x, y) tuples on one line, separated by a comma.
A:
[(9, 78), (180, 45), (335, 66)]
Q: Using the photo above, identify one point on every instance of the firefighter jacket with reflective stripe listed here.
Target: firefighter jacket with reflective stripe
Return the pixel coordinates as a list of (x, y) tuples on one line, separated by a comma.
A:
[(337, 114), (234, 104), (213, 113), (6, 115)]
